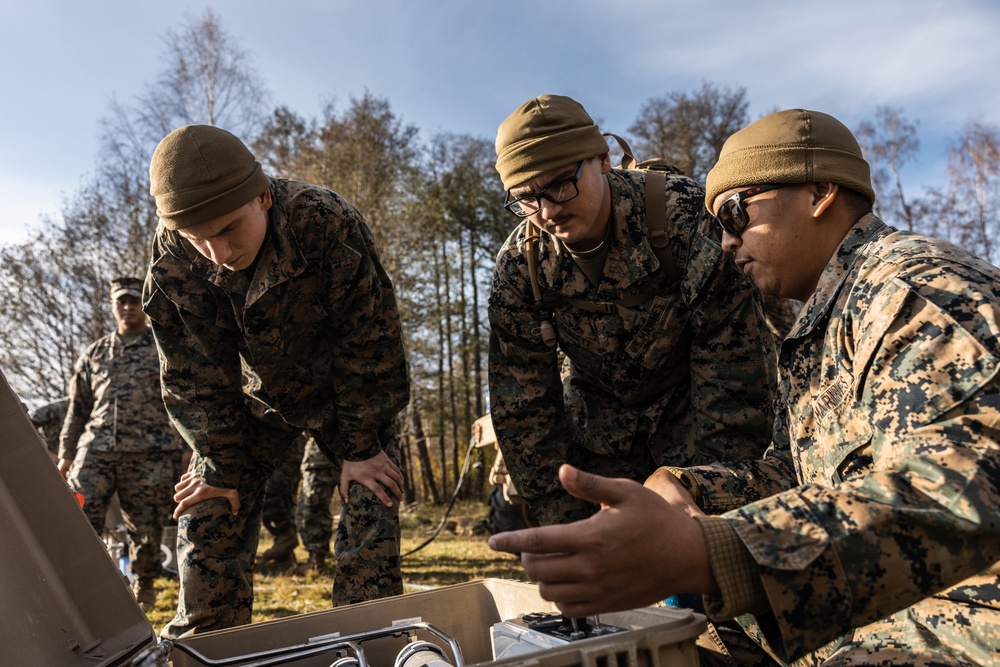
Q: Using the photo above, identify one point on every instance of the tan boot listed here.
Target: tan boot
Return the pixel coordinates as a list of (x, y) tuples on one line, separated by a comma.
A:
[(145, 594), (316, 564), (281, 556)]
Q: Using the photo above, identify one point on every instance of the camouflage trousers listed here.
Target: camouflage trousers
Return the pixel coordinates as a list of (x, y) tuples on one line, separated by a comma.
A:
[(299, 494), (144, 482), (313, 517), (216, 552), (282, 489)]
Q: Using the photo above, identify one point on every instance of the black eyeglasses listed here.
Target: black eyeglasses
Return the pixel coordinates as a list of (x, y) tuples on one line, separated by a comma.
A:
[(559, 192), (732, 216)]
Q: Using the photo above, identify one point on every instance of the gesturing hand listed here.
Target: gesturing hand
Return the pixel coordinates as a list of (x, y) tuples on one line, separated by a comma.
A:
[(637, 550)]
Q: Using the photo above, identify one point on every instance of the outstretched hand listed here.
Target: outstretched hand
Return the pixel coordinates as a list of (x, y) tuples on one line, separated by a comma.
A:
[(637, 550), (192, 489), (379, 474)]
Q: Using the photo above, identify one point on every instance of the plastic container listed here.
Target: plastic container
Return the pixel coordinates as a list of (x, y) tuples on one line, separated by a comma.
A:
[(655, 637)]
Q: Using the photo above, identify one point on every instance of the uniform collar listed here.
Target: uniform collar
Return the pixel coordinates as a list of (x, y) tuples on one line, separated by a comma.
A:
[(280, 257), (630, 257), (852, 249)]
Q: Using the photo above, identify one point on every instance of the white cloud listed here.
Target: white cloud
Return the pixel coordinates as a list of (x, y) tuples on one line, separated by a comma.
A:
[(462, 66)]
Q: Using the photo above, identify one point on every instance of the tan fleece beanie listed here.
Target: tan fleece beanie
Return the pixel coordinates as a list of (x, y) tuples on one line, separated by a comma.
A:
[(792, 146), (545, 133), (199, 172)]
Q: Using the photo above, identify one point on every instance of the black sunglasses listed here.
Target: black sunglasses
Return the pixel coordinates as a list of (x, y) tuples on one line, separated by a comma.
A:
[(732, 216)]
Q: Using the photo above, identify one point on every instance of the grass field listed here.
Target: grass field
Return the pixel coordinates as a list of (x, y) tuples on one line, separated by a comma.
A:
[(459, 553)]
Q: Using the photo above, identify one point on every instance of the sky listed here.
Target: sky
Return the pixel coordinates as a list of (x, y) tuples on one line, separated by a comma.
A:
[(461, 66)]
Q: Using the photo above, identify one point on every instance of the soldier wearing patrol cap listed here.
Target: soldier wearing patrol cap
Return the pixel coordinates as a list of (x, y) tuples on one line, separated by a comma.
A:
[(668, 359), (48, 420), (870, 532), (116, 436), (273, 316)]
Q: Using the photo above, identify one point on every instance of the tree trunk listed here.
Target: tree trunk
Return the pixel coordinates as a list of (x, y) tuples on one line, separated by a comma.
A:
[(450, 348), (442, 353), (406, 464), (423, 455), (477, 361)]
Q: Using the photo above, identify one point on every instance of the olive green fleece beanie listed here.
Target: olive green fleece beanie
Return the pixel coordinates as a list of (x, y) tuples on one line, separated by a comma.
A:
[(545, 133), (791, 146), (199, 172)]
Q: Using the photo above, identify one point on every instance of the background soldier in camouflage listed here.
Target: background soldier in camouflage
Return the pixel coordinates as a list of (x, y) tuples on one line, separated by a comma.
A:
[(48, 419), (664, 364), (278, 512), (117, 438), (871, 524), (313, 517), (298, 495), (273, 315)]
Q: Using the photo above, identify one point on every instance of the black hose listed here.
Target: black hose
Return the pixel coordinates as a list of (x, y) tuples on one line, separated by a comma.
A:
[(451, 503)]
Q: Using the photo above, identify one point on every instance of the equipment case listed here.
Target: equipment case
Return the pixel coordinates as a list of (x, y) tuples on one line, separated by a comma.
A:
[(64, 602)]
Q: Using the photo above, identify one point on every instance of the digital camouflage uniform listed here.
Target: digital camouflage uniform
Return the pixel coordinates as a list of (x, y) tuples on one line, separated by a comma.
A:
[(278, 513), (683, 378), (48, 419), (780, 315), (298, 496), (313, 517), (879, 507), (311, 340), (281, 490), (119, 438)]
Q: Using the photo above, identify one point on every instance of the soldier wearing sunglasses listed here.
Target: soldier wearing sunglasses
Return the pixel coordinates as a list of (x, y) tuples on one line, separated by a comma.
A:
[(667, 358), (869, 533)]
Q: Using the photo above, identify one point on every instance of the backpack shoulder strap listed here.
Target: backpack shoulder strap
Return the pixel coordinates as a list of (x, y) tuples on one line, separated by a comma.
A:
[(544, 315), (656, 204), (656, 221), (628, 160)]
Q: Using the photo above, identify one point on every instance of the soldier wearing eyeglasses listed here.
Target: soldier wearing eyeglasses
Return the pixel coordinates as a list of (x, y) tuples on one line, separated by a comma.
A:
[(869, 533), (668, 360)]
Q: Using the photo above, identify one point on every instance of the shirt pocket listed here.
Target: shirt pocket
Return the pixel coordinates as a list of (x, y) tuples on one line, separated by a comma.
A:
[(579, 339), (146, 378), (182, 302), (305, 324), (657, 356), (782, 532), (847, 446), (841, 447)]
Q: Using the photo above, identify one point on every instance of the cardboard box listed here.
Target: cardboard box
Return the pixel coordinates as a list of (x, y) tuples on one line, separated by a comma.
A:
[(63, 601)]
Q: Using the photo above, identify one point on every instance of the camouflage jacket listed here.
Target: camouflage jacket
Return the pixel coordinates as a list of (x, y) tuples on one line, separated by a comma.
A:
[(311, 341), (48, 419), (114, 400), (687, 373), (886, 487)]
